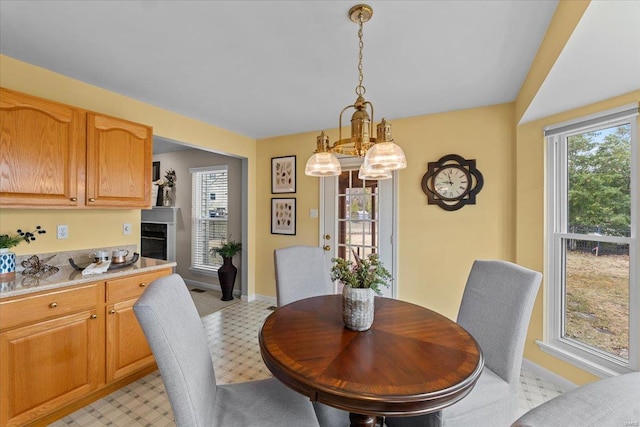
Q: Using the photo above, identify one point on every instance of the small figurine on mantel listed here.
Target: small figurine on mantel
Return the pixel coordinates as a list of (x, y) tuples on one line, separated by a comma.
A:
[(165, 186)]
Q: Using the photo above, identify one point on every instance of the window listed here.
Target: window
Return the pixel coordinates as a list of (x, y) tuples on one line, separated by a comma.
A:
[(593, 294), (209, 204)]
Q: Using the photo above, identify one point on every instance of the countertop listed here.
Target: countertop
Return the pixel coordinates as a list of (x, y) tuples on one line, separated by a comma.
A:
[(68, 276)]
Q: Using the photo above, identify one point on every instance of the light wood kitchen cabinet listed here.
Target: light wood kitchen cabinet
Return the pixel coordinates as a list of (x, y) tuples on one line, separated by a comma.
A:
[(55, 156), (62, 349), (127, 348), (42, 152), (119, 157), (53, 356)]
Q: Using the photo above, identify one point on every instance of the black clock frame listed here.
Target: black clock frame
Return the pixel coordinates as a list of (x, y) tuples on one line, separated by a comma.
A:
[(467, 198)]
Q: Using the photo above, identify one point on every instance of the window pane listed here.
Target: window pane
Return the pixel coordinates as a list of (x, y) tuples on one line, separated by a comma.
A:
[(597, 295), (599, 188), (209, 221)]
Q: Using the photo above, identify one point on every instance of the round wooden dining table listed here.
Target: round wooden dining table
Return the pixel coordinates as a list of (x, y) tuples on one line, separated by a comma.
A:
[(411, 361)]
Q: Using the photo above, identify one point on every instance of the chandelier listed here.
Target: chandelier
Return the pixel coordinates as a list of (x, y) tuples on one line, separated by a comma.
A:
[(381, 154)]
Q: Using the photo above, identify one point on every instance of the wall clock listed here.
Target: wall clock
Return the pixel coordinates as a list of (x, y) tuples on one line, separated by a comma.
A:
[(452, 182)]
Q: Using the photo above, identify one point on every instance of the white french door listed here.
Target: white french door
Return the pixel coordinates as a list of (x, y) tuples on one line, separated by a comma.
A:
[(359, 216)]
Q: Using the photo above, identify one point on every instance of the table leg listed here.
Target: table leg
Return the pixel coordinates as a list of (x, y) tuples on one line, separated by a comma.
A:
[(360, 420)]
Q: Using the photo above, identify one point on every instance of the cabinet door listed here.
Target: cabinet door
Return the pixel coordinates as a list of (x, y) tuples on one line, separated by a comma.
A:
[(42, 152), (48, 364), (119, 156), (127, 348)]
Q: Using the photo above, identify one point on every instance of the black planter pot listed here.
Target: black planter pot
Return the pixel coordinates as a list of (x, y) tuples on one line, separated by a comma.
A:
[(227, 277)]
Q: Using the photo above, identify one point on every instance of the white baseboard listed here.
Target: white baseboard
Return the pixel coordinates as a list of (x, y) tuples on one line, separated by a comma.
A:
[(548, 375), (210, 286)]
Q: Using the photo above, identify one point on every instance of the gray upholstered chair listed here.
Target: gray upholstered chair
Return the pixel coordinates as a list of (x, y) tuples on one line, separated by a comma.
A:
[(176, 336), (496, 309), (303, 272), (610, 402)]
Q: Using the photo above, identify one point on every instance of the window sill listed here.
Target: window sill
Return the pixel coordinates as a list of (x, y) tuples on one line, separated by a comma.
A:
[(203, 272), (567, 353)]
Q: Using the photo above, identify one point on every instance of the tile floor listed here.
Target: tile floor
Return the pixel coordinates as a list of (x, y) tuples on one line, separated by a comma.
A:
[(232, 334)]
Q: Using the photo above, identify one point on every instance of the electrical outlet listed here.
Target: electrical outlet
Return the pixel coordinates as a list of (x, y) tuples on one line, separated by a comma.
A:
[(63, 232), (126, 229)]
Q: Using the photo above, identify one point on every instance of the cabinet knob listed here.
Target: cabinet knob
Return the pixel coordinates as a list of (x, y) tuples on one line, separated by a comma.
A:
[(74, 199), (326, 247), (112, 312), (53, 305), (142, 285), (94, 316), (91, 199)]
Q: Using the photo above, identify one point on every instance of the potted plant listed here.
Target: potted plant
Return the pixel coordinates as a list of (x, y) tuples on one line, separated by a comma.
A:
[(360, 281), (227, 271), (8, 259)]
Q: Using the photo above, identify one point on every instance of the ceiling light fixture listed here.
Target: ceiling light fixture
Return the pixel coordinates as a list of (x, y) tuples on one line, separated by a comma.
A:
[(381, 154)]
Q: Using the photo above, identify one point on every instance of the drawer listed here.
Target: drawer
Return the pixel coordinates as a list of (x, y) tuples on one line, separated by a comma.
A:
[(131, 286), (51, 304)]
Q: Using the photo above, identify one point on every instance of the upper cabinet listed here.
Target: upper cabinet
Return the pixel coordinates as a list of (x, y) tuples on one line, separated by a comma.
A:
[(119, 157), (56, 156)]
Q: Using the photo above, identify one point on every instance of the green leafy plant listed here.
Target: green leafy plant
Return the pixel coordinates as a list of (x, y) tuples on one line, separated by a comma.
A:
[(365, 273), (228, 249), (9, 241)]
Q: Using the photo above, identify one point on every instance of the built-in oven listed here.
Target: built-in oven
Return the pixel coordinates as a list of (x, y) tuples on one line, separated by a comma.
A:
[(153, 240)]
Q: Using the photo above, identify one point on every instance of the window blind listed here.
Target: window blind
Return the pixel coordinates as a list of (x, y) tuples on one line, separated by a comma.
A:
[(210, 195)]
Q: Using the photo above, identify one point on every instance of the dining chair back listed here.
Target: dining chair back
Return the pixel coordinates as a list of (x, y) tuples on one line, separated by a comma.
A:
[(496, 308), (301, 272), (178, 341), (612, 402)]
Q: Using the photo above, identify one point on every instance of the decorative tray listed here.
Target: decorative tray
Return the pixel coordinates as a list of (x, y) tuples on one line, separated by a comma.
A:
[(113, 266)]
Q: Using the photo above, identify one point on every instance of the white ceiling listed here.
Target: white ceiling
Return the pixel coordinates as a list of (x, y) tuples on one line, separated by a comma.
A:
[(268, 68)]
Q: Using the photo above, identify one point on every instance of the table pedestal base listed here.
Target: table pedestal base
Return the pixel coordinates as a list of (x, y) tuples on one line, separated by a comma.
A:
[(360, 420)]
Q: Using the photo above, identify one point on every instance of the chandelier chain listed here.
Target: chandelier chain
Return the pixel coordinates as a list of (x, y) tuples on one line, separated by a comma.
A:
[(360, 90)]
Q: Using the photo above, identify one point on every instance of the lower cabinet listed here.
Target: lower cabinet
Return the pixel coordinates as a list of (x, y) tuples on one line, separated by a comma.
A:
[(61, 346), (48, 364)]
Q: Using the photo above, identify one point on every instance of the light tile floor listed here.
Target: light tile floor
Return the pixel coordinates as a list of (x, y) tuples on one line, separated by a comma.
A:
[(233, 340)]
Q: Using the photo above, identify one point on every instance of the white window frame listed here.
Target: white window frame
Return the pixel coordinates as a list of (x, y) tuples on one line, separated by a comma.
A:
[(586, 357), (196, 267)]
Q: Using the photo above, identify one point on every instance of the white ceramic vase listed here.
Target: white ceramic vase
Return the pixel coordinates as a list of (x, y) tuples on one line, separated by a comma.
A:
[(357, 308)]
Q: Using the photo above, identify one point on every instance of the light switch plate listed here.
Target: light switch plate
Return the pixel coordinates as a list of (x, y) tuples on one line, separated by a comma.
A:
[(126, 229)]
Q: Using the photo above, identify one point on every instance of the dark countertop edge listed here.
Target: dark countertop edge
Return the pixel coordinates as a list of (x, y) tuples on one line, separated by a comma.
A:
[(68, 276)]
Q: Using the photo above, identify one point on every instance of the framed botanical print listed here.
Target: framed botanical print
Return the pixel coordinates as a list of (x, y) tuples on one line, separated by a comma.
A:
[(283, 216), (283, 174)]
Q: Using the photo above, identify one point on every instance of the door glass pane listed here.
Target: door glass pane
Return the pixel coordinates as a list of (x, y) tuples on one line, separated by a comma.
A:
[(596, 295), (357, 215)]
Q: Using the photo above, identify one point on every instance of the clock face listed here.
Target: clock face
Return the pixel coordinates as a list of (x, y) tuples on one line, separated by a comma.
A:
[(452, 182)]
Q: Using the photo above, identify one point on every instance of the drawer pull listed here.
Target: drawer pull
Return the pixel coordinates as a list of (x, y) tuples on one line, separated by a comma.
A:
[(53, 305), (74, 199), (142, 285), (94, 316), (91, 199), (112, 312)]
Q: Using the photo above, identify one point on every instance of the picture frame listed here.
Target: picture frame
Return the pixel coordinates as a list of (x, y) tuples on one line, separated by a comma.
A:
[(156, 195), (283, 216), (283, 174)]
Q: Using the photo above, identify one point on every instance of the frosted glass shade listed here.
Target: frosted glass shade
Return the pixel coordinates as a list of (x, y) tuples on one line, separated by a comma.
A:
[(385, 155), (373, 174), (323, 164)]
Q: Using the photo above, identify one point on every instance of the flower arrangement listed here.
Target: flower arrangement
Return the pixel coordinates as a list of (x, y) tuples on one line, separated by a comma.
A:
[(365, 273), (9, 241), (228, 249), (169, 179)]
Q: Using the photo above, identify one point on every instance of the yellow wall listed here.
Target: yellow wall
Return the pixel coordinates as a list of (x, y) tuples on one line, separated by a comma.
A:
[(530, 248), (436, 247), (88, 228)]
